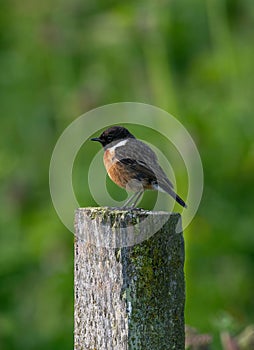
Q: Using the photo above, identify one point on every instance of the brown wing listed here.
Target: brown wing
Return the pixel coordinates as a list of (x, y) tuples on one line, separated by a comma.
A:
[(142, 160), (139, 171)]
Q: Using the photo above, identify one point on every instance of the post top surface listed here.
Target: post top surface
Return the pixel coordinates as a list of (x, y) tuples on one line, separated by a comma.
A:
[(116, 227), (120, 211)]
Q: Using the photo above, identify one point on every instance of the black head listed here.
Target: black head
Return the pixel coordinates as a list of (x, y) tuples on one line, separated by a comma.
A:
[(112, 134)]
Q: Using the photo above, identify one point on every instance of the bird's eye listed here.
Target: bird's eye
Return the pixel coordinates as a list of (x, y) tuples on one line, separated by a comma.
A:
[(109, 139)]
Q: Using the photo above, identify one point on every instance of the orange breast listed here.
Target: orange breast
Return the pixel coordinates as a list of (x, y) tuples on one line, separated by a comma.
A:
[(114, 169), (123, 175), (108, 159)]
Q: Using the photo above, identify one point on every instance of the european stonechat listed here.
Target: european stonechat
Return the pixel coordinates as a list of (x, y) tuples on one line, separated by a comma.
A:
[(133, 165)]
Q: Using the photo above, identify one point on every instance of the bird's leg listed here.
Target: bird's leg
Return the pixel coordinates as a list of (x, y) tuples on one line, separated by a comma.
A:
[(129, 200), (137, 196)]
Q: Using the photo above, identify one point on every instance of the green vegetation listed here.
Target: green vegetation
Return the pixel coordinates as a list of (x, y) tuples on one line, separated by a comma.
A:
[(59, 60)]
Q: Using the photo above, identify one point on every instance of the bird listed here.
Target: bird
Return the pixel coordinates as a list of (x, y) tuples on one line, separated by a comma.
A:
[(133, 165)]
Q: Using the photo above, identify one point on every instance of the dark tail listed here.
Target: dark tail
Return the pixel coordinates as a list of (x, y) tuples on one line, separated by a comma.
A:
[(179, 200), (170, 191)]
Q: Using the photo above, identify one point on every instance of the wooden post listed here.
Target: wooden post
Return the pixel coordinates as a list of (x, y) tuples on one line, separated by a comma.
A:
[(129, 280)]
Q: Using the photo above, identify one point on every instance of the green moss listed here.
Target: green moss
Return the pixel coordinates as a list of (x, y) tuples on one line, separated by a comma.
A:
[(155, 289), (117, 217)]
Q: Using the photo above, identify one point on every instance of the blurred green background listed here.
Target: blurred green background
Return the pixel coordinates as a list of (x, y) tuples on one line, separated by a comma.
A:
[(59, 60)]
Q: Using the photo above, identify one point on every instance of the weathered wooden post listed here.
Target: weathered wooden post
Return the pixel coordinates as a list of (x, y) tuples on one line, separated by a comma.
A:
[(129, 280)]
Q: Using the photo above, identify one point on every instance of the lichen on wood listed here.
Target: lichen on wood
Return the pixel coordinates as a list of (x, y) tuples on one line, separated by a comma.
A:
[(129, 296)]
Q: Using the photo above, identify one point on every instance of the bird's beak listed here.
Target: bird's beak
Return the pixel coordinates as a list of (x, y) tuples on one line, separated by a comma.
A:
[(95, 139)]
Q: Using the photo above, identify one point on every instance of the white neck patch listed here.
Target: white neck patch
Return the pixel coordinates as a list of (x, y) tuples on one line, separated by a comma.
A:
[(119, 144)]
